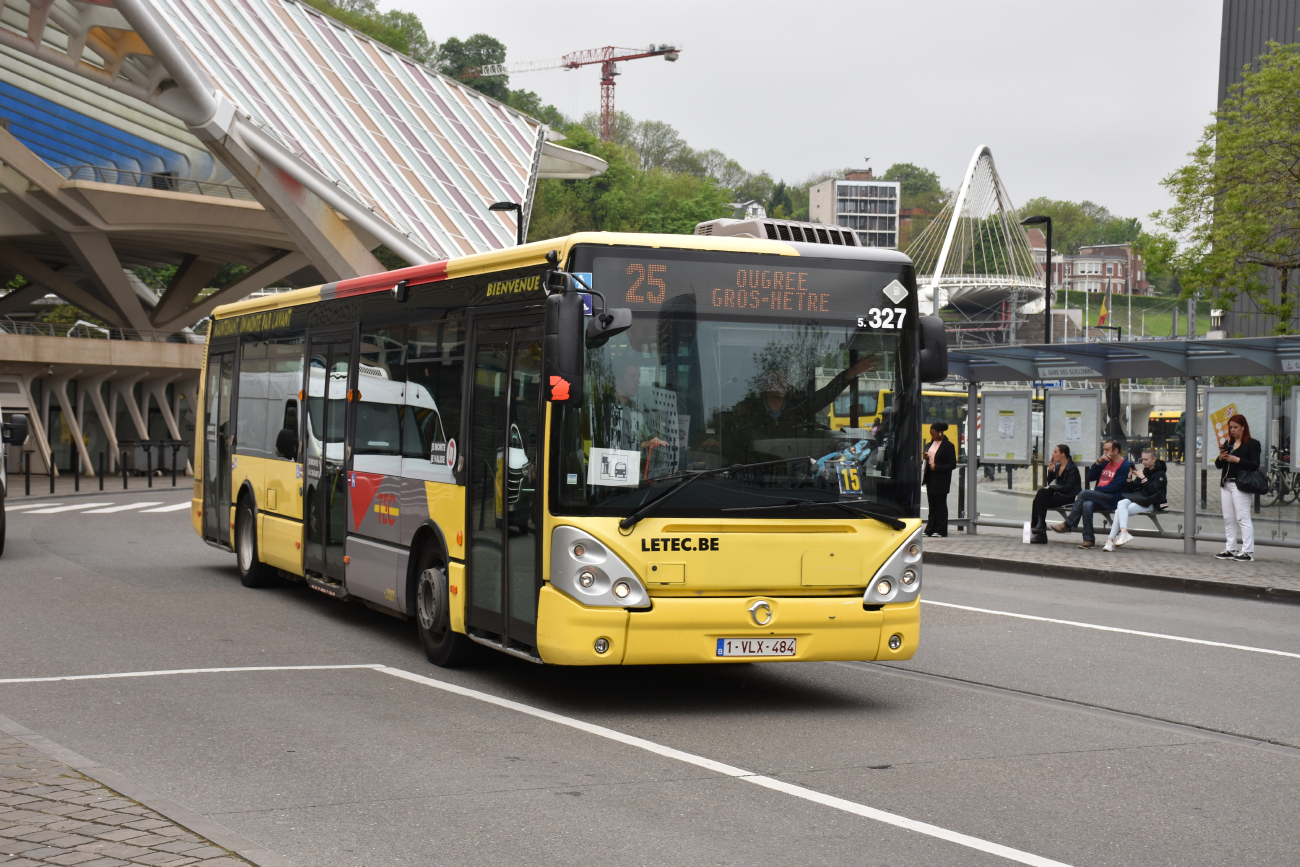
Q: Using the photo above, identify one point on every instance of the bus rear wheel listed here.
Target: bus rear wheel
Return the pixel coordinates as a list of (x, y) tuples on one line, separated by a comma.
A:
[(252, 571), (442, 645)]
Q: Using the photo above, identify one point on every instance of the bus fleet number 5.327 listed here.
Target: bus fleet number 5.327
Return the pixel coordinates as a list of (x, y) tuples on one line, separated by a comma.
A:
[(883, 317)]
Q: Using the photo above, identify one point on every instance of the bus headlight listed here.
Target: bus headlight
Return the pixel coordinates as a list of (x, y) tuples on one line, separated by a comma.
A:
[(899, 579), (584, 569)]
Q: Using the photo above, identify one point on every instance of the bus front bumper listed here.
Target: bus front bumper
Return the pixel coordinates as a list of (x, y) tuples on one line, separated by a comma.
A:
[(687, 629)]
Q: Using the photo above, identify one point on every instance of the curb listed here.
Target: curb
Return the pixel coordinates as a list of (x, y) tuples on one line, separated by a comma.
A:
[(1125, 579), (211, 830)]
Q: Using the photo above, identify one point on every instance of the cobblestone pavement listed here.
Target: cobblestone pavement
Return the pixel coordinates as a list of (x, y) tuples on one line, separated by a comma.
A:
[(50, 814), (1144, 562)]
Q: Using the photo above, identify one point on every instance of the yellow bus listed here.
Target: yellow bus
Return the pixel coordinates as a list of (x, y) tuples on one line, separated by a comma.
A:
[(601, 449), (874, 400)]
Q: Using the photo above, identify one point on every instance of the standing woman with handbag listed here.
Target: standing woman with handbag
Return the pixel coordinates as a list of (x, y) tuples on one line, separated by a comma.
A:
[(940, 461), (1238, 455)]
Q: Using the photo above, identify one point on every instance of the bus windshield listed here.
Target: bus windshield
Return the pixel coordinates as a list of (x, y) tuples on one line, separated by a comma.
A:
[(696, 385)]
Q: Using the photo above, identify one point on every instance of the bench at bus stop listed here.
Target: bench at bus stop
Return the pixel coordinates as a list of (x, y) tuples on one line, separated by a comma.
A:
[(1108, 516)]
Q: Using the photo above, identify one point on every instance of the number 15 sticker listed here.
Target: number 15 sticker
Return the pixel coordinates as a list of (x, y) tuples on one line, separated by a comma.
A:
[(847, 474)]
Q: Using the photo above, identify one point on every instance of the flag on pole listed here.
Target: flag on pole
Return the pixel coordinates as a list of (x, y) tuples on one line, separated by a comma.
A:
[(1101, 317)]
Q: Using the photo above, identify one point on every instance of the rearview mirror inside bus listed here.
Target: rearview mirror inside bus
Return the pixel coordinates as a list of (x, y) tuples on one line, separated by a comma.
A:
[(15, 430), (606, 324), (934, 349), (563, 348)]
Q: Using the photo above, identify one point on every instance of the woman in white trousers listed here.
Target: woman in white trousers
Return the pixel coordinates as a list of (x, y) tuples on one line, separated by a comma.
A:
[(1238, 452)]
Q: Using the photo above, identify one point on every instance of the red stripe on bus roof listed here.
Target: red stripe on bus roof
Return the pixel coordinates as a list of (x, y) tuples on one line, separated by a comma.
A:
[(415, 276)]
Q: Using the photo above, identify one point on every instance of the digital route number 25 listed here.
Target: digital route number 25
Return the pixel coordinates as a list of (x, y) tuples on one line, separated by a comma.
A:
[(883, 317), (645, 274)]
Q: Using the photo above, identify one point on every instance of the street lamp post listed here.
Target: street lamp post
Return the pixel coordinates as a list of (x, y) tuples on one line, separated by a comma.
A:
[(519, 218), (1047, 275)]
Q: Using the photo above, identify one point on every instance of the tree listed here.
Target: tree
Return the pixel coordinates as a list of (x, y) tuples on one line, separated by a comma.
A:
[(1078, 224), (400, 31), (918, 187), (781, 205), (456, 56), (530, 104), (1234, 212)]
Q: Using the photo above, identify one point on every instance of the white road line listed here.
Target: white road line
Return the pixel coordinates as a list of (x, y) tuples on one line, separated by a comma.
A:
[(739, 773), (74, 507), (1117, 629), (114, 509), (22, 506), (628, 740), (174, 507), (117, 674)]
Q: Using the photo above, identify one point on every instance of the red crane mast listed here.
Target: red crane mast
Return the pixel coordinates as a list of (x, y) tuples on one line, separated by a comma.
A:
[(608, 57)]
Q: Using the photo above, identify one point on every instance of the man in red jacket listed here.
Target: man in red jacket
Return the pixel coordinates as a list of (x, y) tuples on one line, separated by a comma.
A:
[(1110, 472)]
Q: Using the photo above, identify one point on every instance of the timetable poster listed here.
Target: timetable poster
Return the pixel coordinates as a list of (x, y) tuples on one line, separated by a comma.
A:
[(1073, 418), (1221, 404), (1005, 428)]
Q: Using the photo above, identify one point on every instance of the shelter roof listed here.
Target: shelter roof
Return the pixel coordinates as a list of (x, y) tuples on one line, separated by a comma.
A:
[(1128, 359)]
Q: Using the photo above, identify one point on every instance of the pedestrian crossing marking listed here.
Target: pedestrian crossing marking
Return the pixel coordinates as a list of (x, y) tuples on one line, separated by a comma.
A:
[(114, 509), (98, 508), (73, 508), (175, 507)]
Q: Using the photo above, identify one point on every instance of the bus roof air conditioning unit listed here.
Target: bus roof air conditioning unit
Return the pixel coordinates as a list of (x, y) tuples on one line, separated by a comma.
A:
[(779, 230)]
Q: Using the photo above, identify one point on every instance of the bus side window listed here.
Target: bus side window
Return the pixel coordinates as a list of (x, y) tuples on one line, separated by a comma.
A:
[(250, 414), (435, 362), (284, 364)]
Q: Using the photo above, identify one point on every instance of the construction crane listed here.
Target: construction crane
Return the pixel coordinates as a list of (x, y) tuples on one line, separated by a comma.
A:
[(608, 57)]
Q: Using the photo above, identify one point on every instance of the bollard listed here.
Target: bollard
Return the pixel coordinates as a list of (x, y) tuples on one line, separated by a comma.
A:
[(175, 451), (148, 464), (27, 474), (1256, 509), (1203, 472), (49, 468), (101, 471), (123, 463), (76, 472), (1009, 469), (961, 493)]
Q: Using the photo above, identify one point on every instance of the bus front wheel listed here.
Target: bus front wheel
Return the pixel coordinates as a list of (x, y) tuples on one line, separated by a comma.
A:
[(442, 645), (252, 571)]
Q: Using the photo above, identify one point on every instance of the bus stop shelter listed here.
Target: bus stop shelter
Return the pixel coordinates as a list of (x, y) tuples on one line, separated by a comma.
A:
[(1195, 361)]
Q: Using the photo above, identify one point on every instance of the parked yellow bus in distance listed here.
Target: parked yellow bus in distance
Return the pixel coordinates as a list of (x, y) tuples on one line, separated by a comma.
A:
[(601, 449), (936, 406)]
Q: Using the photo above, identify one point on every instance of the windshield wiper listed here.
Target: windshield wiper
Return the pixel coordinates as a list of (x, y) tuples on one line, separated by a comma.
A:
[(843, 505), (684, 479)]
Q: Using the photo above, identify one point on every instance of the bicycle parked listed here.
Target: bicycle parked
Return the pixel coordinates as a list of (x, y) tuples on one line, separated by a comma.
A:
[(1283, 483)]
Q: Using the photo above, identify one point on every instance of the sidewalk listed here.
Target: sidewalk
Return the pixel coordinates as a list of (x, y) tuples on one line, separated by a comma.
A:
[(1144, 562), (53, 814)]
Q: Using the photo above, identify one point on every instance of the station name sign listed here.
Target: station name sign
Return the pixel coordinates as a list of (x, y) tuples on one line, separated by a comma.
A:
[(1067, 371)]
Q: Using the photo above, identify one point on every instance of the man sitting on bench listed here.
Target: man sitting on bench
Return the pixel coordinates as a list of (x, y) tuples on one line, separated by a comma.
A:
[(1110, 472), (1145, 492)]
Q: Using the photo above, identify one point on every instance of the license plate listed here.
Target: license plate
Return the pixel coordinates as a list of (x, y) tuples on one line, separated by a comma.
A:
[(756, 646)]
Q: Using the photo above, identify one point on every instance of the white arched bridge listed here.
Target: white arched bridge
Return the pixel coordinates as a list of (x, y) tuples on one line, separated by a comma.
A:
[(975, 255)]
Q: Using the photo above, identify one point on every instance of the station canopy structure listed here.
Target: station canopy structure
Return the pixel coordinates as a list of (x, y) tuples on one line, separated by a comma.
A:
[(213, 134), (1128, 359)]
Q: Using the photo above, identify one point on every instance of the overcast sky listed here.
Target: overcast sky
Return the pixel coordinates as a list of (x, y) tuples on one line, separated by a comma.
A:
[(1096, 100)]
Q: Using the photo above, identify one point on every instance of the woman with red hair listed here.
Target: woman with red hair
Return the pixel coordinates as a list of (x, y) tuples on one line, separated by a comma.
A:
[(1236, 453)]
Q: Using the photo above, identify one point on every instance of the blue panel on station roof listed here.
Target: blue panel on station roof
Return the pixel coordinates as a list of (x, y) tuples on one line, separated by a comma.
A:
[(64, 137)]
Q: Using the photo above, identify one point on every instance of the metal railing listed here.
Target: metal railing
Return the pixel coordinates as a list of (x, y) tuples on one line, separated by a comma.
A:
[(86, 330), (166, 182)]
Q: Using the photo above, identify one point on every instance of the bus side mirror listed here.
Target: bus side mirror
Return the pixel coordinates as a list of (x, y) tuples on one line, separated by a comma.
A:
[(934, 350), (286, 443), (563, 348), (15, 430), (606, 324)]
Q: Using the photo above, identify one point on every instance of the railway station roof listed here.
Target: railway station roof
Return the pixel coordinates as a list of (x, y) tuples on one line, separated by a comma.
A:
[(1127, 359)]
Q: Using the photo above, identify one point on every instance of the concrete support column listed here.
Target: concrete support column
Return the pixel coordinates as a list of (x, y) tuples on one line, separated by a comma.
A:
[(972, 452), (189, 390), (59, 385), (48, 455), (126, 390), (1190, 462), (92, 388)]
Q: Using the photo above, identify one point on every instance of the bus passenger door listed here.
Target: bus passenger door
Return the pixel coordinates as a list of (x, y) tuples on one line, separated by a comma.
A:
[(218, 448), (504, 477), (327, 457)]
